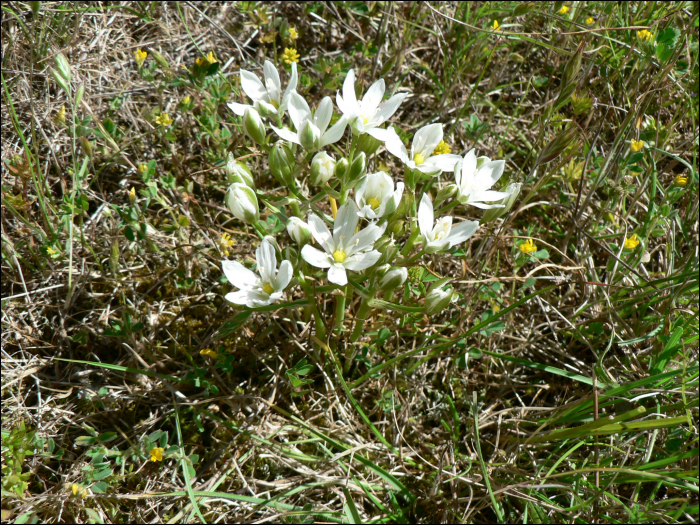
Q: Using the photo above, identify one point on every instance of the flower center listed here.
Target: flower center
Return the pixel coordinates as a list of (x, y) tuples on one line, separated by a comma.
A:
[(275, 103), (440, 235), (267, 288), (339, 256), (418, 159), (364, 120), (374, 202)]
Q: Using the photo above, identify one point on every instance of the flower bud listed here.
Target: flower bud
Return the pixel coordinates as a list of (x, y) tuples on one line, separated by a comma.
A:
[(160, 59), (557, 145), (63, 66), (273, 242), (242, 202), (405, 205), (341, 167), (282, 164), (387, 247), (310, 136), (237, 171), (253, 126), (446, 193), (322, 168), (367, 144), (132, 195), (393, 279), (397, 228), (437, 298), (298, 230), (358, 167), (513, 190)]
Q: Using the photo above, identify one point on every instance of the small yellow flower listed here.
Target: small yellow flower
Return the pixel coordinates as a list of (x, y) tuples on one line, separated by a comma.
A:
[(211, 58), (132, 195), (564, 9), (590, 20), (631, 242), (290, 55), (59, 117), (636, 145), (293, 34), (157, 453), (528, 246), (495, 25), (164, 119), (644, 34), (225, 242), (186, 100), (442, 148), (209, 352), (50, 251), (140, 56), (680, 180), (78, 490), (200, 61), (142, 168)]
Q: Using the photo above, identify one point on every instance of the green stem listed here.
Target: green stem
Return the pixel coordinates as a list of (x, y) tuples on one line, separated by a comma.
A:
[(360, 319), (415, 233), (447, 207), (340, 301)]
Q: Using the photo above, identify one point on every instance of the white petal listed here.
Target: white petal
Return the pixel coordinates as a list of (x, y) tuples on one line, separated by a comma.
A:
[(395, 146), (256, 299), (335, 133), (315, 257), (490, 195), (239, 297), (426, 140), (271, 73), (252, 85), (267, 261), (362, 261), (364, 239), (298, 110), (323, 115), (345, 223), (388, 108), (461, 232), (286, 134), (380, 133), (349, 97), (238, 109), (373, 97), (497, 166), (337, 275), (425, 215), (483, 206), (320, 232), (238, 275), (284, 275), (445, 162)]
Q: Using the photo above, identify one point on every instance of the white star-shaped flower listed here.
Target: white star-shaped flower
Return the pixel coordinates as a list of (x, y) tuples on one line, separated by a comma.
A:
[(424, 143), (267, 97)]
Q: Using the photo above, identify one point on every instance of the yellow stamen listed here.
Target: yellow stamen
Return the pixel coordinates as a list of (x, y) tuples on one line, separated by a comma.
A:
[(339, 256), (374, 202), (442, 148), (267, 288), (418, 159), (364, 120)]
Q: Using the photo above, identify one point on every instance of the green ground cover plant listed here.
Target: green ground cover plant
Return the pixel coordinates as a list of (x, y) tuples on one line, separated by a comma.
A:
[(349, 262)]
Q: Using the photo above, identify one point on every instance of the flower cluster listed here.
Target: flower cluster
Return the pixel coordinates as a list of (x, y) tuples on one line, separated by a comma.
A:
[(378, 227)]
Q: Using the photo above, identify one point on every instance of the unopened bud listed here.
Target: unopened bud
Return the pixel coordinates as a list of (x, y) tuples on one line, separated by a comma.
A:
[(63, 66), (242, 202), (558, 144), (393, 279), (387, 247), (437, 298), (358, 167), (513, 190), (253, 126), (397, 228), (282, 164), (237, 171), (322, 168), (273, 242), (298, 230), (367, 144), (132, 195), (341, 167), (445, 193), (86, 146), (405, 205), (310, 136), (160, 59)]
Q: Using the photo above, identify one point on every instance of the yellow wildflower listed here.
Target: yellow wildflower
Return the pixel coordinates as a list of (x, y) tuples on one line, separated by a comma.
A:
[(132, 195), (200, 61), (495, 26), (140, 56), (636, 145), (60, 117), (590, 20), (564, 9), (644, 34), (186, 100), (78, 490), (164, 119), (680, 180), (225, 242), (631, 242), (209, 352), (211, 58), (51, 252), (142, 168), (290, 55), (157, 453), (528, 246), (293, 34), (442, 148)]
